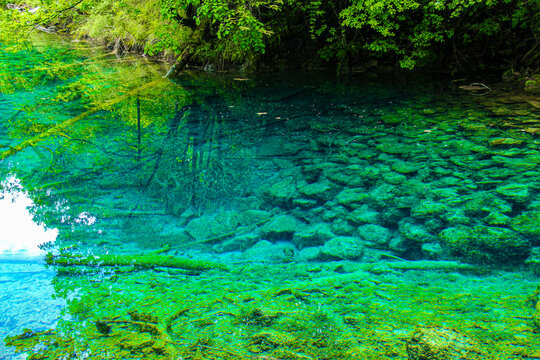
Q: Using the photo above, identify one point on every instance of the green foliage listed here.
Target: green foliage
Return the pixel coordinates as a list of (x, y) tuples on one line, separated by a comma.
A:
[(412, 33), (221, 30)]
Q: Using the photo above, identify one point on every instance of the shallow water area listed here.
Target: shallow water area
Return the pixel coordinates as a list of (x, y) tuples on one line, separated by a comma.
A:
[(269, 216)]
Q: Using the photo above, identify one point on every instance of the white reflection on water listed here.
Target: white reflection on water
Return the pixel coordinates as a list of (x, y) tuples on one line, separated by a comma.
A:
[(26, 295), (20, 236)]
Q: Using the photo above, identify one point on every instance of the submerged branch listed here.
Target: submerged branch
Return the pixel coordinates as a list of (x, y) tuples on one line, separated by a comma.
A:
[(142, 261)]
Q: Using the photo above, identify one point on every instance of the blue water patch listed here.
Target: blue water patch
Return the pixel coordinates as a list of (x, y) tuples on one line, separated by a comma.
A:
[(27, 299)]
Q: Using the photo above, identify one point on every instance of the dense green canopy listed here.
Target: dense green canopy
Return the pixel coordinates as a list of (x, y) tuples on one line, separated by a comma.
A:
[(455, 35)]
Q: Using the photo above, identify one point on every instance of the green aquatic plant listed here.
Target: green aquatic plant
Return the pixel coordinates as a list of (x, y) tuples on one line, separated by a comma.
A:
[(281, 311)]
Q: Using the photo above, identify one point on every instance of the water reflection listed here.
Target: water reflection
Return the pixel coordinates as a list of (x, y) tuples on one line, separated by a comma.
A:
[(26, 291), (20, 235)]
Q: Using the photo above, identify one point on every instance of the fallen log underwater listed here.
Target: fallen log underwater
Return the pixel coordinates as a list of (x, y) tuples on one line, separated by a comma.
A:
[(148, 261)]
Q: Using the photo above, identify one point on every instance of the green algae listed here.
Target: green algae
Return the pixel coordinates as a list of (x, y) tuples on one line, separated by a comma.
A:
[(289, 312)]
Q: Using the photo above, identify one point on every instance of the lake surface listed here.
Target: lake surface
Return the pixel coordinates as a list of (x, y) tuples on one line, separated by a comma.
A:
[(268, 216)]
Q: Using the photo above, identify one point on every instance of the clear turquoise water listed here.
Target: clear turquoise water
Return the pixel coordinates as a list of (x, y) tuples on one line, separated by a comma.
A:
[(274, 169)]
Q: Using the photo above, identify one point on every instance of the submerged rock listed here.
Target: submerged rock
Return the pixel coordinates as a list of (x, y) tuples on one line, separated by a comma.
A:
[(514, 192), (266, 251), (381, 196), (281, 227), (496, 173), (278, 146), (352, 198), (323, 190), (485, 244), (253, 216), (374, 235), (439, 343), (432, 251), (516, 164), (528, 224), (393, 178), (497, 219), (313, 235), (309, 254), (237, 243), (505, 142), (405, 168), (427, 209), (207, 227), (413, 232), (341, 226), (305, 203), (398, 148), (342, 248), (399, 245), (351, 175), (331, 211), (281, 193), (363, 215), (483, 203), (456, 216)]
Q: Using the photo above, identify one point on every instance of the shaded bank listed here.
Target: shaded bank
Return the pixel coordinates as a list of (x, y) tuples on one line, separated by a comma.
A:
[(456, 36)]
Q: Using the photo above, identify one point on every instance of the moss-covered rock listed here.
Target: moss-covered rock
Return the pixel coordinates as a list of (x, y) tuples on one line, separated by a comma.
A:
[(406, 168), (305, 203), (532, 83), (527, 223), (208, 227), (414, 233), (374, 235), (281, 193), (483, 203), (381, 196), (352, 175), (398, 148), (505, 142), (322, 190), (363, 215), (517, 163), (426, 209), (393, 178), (313, 235), (253, 216), (341, 226), (342, 248), (514, 192), (352, 197), (485, 244), (237, 243), (456, 216), (497, 219), (439, 343), (281, 227)]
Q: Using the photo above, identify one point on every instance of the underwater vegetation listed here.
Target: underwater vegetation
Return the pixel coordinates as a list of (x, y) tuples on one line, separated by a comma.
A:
[(227, 217), (290, 311)]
